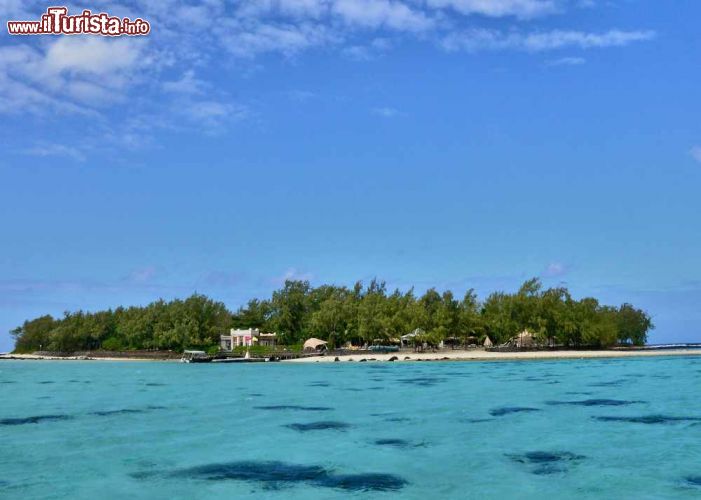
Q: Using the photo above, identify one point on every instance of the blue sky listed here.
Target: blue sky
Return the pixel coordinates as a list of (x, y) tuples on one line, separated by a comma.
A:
[(446, 143)]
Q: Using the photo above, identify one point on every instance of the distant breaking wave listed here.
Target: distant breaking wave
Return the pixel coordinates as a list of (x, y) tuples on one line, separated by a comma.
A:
[(671, 346)]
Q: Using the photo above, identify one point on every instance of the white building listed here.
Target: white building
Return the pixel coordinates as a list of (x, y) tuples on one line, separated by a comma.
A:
[(246, 338)]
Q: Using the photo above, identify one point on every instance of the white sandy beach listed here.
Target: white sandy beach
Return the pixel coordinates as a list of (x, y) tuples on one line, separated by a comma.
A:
[(37, 357), (457, 355), (482, 355)]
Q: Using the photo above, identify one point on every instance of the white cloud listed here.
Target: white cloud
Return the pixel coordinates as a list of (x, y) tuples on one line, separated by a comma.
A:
[(382, 13), (386, 112), (368, 52), (567, 61), (142, 275), (67, 73), (300, 95), (46, 150), (91, 55), (696, 153), (554, 270), (498, 8), (484, 39), (292, 274), (89, 76), (212, 114), (260, 38), (187, 84)]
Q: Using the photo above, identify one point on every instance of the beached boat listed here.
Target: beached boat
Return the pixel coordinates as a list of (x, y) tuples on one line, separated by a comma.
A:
[(195, 357), (246, 359), (240, 360)]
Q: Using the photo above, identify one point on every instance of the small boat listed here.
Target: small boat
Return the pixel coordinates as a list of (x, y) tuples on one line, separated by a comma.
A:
[(195, 357), (240, 360), (246, 359)]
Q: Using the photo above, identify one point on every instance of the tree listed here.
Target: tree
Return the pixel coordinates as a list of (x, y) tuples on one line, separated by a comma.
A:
[(470, 322), (289, 310), (633, 325), (361, 314)]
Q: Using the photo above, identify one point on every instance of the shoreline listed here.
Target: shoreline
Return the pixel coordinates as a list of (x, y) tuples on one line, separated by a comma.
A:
[(39, 357), (457, 355), (482, 355)]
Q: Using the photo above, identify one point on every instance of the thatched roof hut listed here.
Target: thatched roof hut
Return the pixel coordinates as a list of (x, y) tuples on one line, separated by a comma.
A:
[(314, 344)]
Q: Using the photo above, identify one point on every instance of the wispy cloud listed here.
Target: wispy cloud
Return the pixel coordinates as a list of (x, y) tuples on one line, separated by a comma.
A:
[(142, 275), (187, 84), (369, 51), (61, 150), (386, 112), (292, 274), (164, 77), (695, 153), (555, 270), (382, 14), (487, 39), (567, 61), (523, 9)]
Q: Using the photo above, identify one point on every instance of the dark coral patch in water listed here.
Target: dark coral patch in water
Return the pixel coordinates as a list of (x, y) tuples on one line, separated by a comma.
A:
[(318, 426), (155, 384), (693, 480), (47, 382), (273, 474), (508, 410), (546, 462), (648, 419), (363, 482), (612, 383), (595, 402), (397, 419), (319, 384), (421, 381), (293, 407), (400, 443), (33, 420), (107, 413), (477, 420), (126, 411), (548, 469), (542, 457)]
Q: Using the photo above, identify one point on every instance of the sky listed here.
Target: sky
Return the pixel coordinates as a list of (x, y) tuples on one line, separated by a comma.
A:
[(429, 143)]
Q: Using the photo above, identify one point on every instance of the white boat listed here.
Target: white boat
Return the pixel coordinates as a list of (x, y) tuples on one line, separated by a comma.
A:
[(195, 357)]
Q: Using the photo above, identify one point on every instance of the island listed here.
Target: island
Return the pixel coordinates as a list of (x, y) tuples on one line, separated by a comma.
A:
[(365, 318)]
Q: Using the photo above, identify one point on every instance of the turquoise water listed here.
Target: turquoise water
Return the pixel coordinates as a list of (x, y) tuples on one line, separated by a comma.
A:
[(545, 429)]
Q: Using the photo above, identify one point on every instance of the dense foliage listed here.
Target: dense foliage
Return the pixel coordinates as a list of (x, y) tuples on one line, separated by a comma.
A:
[(362, 314)]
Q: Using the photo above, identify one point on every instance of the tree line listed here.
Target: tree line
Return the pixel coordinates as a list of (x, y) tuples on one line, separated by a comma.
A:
[(362, 314)]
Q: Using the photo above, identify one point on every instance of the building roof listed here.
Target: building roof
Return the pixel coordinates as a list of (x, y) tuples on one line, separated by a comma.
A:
[(314, 343)]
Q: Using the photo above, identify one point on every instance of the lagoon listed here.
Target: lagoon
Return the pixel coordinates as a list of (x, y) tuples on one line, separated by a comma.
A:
[(596, 428)]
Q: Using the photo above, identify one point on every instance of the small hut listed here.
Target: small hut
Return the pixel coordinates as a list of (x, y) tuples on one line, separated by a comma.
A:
[(409, 338), (525, 339), (314, 345), (487, 342)]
